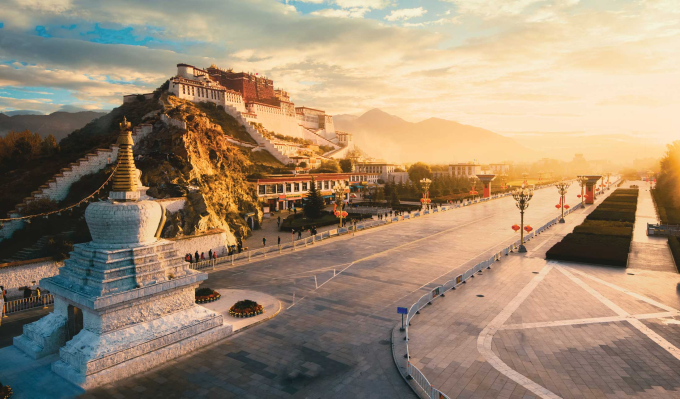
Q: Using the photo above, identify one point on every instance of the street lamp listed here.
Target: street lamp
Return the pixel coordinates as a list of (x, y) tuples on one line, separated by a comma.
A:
[(582, 182), (339, 200), (425, 187), (473, 183), (522, 196), (562, 188)]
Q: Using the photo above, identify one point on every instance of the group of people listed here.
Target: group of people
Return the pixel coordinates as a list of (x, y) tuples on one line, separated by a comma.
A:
[(234, 249), (200, 257), (312, 232)]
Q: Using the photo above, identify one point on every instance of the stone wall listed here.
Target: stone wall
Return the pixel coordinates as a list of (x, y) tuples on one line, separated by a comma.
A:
[(202, 242), (19, 274), (173, 122), (173, 205)]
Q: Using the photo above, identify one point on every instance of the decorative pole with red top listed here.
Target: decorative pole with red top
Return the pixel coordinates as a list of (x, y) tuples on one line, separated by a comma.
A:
[(425, 187), (562, 188)]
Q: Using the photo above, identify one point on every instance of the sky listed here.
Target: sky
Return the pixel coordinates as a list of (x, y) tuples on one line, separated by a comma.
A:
[(515, 67)]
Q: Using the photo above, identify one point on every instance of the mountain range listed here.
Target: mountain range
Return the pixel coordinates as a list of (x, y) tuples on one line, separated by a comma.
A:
[(59, 123), (437, 141), (433, 140)]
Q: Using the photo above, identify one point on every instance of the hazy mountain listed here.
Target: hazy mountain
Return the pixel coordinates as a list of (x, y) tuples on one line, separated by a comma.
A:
[(344, 118), (433, 140), (23, 112), (59, 124)]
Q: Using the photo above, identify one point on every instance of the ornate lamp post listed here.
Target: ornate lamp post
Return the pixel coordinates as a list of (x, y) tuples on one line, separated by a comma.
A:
[(425, 187), (339, 190), (522, 196), (582, 182), (562, 188)]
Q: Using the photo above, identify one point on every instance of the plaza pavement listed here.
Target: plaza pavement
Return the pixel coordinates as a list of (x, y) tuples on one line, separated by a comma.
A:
[(533, 328), (334, 341)]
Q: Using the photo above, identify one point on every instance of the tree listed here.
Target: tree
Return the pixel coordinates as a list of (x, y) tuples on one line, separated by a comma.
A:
[(49, 146), (328, 166), (346, 165), (394, 201), (313, 207), (388, 189), (419, 171)]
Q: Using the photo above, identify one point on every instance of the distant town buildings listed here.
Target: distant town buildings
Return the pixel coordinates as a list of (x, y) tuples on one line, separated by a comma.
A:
[(283, 191)]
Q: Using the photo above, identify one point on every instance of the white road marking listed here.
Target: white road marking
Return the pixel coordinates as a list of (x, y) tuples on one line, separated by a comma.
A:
[(486, 337), (593, 320), (651, 334)]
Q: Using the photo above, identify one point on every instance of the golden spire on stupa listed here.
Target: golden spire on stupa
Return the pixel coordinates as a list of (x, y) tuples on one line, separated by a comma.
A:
[(125, 177)]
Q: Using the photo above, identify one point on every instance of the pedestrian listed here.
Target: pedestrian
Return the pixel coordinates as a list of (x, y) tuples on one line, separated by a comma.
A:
[(264, 241), (27, 292), (196, 256), (294, 211), (278, 222), (279, 240), (210, 253), (214, 255), (3, 299), (37, 292), (299, 234)]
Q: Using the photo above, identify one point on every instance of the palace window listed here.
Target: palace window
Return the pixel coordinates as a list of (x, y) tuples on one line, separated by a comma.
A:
[(279, 188), (288, 188), (184, 89), (296, 186), (261, 189), (304, 186), (193, 92), (325, 184)]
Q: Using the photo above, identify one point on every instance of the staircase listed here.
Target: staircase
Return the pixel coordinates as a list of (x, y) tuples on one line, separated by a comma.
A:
[(261, 140)]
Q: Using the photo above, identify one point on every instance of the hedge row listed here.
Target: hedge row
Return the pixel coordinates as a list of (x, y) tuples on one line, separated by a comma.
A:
[(604, 237), (675, 249)]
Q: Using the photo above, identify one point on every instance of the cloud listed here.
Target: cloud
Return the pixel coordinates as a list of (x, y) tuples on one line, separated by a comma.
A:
[(375, 4), (338, 13), (405, 13)]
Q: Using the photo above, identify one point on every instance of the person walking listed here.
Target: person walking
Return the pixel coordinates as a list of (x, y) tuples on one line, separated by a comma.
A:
[(279, 243), (202, 256), (38, 293), (27, 292), (3, 299), (196, 256), (210, 253), (278, 221), (299, 234), (264, 242), (214, 255)]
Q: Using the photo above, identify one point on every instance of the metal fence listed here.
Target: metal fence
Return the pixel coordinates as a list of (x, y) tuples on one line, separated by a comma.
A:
[(663, 230), (33, 302)]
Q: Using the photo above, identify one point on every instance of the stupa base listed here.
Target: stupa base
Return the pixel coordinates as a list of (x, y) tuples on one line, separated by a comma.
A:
[(141, 364)]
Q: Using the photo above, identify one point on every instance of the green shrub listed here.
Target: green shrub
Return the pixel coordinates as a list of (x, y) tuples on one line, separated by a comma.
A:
[(589, 248), (674, 244), (612, 215), (604, 229)]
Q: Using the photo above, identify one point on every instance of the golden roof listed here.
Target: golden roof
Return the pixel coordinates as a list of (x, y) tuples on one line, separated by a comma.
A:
[(125, 177)]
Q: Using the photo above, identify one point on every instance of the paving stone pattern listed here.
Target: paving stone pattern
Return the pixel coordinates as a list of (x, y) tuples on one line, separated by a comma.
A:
[(596, 360)]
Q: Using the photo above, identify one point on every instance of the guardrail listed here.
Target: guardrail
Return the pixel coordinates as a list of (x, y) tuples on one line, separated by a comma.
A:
[(663, 230), (33, 302), (412, 371)]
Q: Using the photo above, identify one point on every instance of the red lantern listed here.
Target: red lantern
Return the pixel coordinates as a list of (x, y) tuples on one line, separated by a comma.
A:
[(578, 196), (566, 207), (344, 214), (337, 213), (515, 227), (557, 206), (528, 228)]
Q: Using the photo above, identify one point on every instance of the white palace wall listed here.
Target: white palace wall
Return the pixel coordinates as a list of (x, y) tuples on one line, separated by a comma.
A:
[(275, 120)]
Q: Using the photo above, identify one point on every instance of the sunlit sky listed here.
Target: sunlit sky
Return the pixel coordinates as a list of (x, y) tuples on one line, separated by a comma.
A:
[(511, 66)]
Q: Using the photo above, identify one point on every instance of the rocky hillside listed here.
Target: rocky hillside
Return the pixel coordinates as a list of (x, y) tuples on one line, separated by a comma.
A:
[(202, 165), (197, 163)]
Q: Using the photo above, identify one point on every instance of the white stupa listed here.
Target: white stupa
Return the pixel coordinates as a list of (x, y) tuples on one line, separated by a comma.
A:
[(124, 302)]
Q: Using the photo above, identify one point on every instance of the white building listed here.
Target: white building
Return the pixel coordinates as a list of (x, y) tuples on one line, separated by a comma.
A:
[(499, 168), (382, 168), (465, 169)]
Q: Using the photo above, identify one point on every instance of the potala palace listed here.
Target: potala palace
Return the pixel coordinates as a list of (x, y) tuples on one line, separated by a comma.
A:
[(254, 98)]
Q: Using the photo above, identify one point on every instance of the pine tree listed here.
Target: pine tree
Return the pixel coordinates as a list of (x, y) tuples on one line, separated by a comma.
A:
[(394, 201), (314, 204)]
